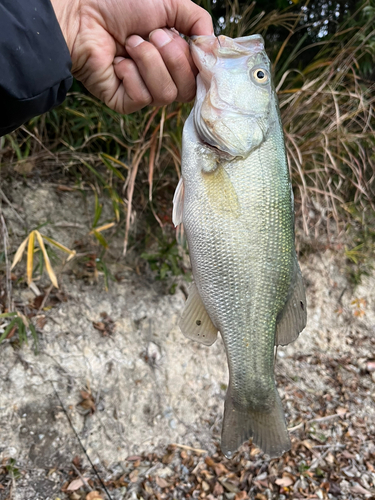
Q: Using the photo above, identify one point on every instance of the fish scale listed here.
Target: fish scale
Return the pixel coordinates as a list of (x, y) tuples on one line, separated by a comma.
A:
[(236, 203)]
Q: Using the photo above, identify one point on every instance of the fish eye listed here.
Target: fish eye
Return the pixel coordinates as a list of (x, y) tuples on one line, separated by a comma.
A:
[(260, 75)]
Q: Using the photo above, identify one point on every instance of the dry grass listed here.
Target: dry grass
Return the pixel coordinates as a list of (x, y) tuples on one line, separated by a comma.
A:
[(328, 114)]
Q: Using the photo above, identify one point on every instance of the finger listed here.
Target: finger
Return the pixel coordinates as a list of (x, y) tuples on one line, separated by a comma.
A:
[(152, 70), (132, 94), (190, 19), (181, 42), (176, 56)]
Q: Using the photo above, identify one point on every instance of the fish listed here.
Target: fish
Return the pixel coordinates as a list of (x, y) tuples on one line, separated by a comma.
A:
[(235, 202)]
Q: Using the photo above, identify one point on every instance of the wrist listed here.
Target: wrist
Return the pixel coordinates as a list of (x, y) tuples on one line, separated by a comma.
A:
[(67, 14)]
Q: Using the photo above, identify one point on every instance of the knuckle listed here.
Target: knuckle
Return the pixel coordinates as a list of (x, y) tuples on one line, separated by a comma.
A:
[(189, 94), (187, 90), (169, 94), (140, 98), (179, 63), (147, 53), (146, 100)]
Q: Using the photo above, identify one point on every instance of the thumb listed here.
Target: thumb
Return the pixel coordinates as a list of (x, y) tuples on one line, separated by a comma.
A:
[(189, 19)]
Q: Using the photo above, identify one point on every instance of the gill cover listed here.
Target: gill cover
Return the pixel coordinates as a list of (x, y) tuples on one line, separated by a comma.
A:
[(234, 102)]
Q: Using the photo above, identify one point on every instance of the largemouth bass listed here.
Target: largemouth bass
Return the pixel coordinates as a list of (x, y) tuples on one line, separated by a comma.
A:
[(235, 201)]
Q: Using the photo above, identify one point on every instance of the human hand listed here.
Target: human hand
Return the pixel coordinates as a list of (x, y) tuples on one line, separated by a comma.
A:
[(124, 53)]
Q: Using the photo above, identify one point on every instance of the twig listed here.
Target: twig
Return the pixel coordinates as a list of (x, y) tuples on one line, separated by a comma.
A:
[(329, 417), (341, 295), (45, 298), (82, 478), (8, 280), (3, 196), (320, 419), (298, 426), (185, 447), (338, 445), (38, 141), (80, 442)]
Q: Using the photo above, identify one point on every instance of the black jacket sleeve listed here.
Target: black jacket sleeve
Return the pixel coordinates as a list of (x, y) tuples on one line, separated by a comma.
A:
[(34, 61)]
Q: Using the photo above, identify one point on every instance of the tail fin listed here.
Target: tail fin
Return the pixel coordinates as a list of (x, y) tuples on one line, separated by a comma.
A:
[(267, 428)]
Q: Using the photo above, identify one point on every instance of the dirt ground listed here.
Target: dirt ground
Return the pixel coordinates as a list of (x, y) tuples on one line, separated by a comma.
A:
[(115, 377)]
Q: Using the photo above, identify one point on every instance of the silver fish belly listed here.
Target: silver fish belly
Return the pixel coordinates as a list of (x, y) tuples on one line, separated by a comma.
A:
[(235, 201)]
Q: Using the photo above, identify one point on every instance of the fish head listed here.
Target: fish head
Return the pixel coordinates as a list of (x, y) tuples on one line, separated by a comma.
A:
[(235, 101)]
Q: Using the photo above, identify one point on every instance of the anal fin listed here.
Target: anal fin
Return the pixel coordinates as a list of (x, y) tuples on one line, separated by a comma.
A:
[(195, 322), (294, 316)]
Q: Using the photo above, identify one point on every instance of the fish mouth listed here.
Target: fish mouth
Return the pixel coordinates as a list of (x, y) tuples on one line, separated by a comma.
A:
[(226, 46)]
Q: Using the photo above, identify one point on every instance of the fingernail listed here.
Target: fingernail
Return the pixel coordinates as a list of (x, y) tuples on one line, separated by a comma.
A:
[(174, 31), (134, 41), (160, 38), (118, 59)]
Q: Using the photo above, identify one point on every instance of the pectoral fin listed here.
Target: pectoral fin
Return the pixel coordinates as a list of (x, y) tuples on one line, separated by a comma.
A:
[(178, 203), (195, 322), (293, 318)]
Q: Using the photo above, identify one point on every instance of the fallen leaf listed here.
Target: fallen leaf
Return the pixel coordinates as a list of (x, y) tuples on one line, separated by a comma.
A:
[(360, 490), (41, 322), (88, 402), (205, 486), (284, 481), (220, 469), (307, 444), (133, 476), (77, 461), (207, 475), (218, 490), (341, 411), (164, 472), (94, 495), (242, 495), (38, 300), (325, 485), (334, 489), (75, 485), (161, 482), (168, 457), (211, 463), (147, 488), (228, 485), (99, 326), (24, 168), (61, 187)]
